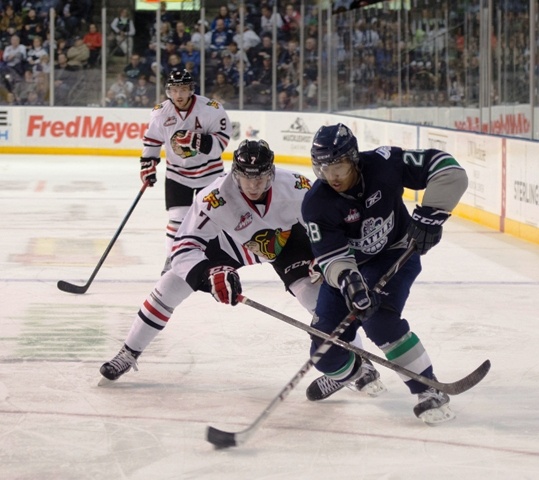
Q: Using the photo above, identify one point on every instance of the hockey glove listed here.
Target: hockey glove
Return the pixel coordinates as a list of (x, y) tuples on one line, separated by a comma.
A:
[(148, 170), (426, 227), (224, 284), (184, 141), (357, 293)]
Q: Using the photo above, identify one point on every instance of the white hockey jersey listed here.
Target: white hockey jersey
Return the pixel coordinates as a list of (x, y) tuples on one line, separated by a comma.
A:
[(258, 232), (192, 168)]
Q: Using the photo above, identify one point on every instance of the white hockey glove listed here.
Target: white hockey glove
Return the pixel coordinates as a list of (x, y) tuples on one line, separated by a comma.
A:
[(148, 170), (357, 294), (426, 227), (224, 283)]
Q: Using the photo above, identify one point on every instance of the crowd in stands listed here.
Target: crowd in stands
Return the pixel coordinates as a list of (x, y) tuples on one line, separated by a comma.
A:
[(25, 49), (380, 60)]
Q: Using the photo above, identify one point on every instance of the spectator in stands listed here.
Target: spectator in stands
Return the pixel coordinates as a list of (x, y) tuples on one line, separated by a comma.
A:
[(248, 40), (124, 31), (14, 58), (94, 41), (121, 87), (165, 35), (64, 81), (237, 54), (144, 102), (286, 57), (34, 54), (72, 20), (259, 91), (197, 35), (10, 99), (44, 65), (221, 36), (166, 16), (291, 22), (223, 91), (310, 58), (41, 80), (26, 85), (59, 25), (61, 48), (33, 99), (135, 68), (230, 71), (268, 19), (78, 54), (143, 88), (284, 101), (224, 16), (174, 64), (31, 27), (170, 49), (11, 20), (155, 69), (189, 54), (181, 36)]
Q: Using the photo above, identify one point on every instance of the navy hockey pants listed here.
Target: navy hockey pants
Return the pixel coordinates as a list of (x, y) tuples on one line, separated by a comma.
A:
[(384, 326)]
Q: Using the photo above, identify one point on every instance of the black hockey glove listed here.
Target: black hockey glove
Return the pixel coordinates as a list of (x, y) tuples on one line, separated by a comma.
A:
[(224, 284), (357, 293), (426, 227), (184, 140), (148, 170)]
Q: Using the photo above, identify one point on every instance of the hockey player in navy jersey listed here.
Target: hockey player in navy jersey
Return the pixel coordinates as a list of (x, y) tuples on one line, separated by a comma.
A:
[(249, 216), (358, 226), (194, 131)]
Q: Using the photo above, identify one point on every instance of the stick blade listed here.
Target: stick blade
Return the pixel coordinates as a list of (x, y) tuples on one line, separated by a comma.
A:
[(71, 288), (220, 439), (469, 381)]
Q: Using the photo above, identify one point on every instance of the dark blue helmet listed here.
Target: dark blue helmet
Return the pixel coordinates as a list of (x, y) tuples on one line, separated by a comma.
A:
[(332, 144)]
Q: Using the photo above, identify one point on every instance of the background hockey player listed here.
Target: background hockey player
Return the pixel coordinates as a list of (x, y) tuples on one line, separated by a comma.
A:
[(249, 216), (194, 131), (359, 225)]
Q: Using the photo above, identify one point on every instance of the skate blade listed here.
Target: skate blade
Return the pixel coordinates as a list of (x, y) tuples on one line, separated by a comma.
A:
[(374, 389), (436, 416), (104, 382)]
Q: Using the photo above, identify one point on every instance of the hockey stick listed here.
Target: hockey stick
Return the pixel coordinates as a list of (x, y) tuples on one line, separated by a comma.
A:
[(80, 289), (453, 388), (222, 439)]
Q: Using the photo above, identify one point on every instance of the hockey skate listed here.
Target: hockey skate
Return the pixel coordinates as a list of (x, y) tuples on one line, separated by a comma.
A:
[(433, 407), (367, 382), (120, 364)]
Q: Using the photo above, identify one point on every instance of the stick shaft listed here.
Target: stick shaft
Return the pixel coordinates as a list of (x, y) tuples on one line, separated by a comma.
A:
[(71, 288)]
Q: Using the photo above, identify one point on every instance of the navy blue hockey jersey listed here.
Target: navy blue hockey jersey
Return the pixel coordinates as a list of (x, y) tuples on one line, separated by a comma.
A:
[(372, 216)]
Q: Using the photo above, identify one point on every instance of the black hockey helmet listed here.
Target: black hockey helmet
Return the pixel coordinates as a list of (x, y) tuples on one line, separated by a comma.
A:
[(253, 159), (180, 78), (333, 144)]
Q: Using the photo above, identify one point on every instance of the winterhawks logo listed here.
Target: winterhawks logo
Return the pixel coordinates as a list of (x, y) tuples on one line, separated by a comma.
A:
[(213, 200), (302, 183)]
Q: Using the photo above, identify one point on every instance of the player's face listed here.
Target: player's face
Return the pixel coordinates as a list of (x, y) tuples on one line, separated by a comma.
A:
[(341, 176), (254, 188), (180, 95)]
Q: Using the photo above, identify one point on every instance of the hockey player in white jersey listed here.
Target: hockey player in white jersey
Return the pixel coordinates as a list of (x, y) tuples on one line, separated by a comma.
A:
[(249, 216), (194, 131)]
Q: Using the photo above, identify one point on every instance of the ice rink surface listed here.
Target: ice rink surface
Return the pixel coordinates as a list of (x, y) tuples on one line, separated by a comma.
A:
[(476, 299)]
